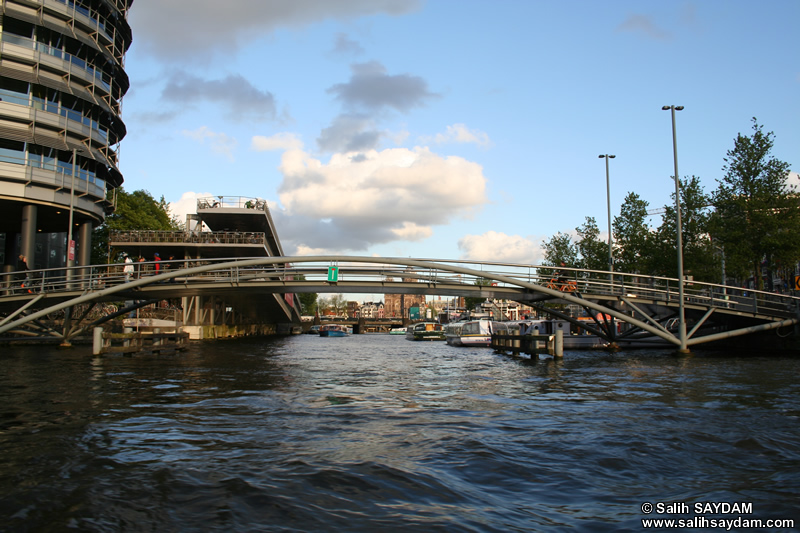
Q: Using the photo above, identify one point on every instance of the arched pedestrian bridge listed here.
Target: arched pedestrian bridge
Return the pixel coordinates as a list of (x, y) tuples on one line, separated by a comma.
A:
[(648, 305)]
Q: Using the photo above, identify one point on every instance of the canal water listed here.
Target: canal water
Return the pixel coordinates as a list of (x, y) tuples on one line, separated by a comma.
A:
[(378, 433)]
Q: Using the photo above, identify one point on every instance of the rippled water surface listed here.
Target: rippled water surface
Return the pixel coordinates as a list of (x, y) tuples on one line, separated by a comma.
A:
[(374, 432)]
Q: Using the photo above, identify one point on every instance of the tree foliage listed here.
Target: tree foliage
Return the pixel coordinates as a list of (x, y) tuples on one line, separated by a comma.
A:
[(700, 259), (632, 236), (134, 211), (560, 248), (308, 300), (335, 302), (592, 252), (756, 215)]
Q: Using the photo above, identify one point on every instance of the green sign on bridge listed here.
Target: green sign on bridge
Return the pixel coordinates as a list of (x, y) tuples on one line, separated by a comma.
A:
[(333, 274)]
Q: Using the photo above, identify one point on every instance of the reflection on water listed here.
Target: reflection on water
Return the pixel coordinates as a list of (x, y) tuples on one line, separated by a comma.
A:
[(374, 431)]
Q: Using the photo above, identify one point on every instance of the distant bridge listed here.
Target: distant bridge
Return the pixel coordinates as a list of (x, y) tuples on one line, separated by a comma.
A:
[(649, 305)]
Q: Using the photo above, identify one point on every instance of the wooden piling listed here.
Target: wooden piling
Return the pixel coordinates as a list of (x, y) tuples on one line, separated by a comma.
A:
[(529, 344), (131, 342)]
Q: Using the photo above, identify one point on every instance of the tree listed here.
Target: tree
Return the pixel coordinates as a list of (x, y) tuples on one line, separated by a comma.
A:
[(560, 248), (338, 304), (593, 252), (632, 236), (699, 257), (308, 300), (757, 217), (134, 211)]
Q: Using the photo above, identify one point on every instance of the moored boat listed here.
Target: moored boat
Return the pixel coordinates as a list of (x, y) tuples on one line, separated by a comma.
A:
[(398, 331), (476, 332), (425, 331), (333, 330), (452, 333)]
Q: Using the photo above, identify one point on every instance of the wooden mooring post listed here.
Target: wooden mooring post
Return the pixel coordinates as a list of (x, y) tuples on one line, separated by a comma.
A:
[(529, 344), (132, 342)]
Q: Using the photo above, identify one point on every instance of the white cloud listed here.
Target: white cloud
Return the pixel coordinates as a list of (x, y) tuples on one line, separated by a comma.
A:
[(459, 133), (187, 204), (793, 181), (394, 185), (379, 197), (412, 232), (220, 143), (279, 141), (495, 246)]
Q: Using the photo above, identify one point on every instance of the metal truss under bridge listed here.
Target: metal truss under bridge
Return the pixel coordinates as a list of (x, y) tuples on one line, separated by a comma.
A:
[(647, 305)]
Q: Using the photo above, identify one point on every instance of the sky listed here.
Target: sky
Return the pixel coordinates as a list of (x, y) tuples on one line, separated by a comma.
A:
[(448, 129)]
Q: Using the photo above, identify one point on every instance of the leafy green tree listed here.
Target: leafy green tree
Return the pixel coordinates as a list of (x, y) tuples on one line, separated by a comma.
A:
[(699, 258), (560, 248), (338, 304), (757, 217), (308, 300), (632, 236), (134, 211), (592, 251)]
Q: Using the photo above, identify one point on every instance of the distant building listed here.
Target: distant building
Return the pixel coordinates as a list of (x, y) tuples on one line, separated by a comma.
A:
[(398, 305), (372, 310)]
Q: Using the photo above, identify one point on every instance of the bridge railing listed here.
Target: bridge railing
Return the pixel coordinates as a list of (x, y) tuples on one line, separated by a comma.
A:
[(188, 237), (631, 287), (235, 202)]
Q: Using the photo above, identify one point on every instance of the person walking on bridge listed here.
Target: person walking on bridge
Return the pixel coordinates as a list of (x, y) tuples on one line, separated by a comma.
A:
[(24, 276), (128, 268)]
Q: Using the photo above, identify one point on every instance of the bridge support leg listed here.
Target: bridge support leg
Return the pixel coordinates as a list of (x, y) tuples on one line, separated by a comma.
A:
[(66, 328)]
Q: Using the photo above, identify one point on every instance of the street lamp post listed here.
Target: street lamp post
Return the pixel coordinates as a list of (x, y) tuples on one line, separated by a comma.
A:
[(608, 197), (681, 310), (70, 245)]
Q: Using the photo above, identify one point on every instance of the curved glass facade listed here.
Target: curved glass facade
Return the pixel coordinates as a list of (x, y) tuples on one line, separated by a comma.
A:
[(62, 80)]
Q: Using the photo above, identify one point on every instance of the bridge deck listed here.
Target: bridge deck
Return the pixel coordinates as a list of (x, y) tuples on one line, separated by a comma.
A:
[(644, 301)]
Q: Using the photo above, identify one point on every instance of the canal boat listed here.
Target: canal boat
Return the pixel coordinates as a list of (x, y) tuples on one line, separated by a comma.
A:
[(452, 333), (474, 332), (425, 331), (333, 330), (398, 331)]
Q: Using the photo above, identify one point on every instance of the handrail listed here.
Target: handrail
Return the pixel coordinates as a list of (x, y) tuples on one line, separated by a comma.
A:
[(235, 202), (188, 237), (632, 287)]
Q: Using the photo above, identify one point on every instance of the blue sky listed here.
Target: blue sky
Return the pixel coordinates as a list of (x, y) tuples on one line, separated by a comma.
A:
[(448, 129)]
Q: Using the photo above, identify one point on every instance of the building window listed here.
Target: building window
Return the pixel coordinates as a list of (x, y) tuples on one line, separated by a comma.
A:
[(12, 151)]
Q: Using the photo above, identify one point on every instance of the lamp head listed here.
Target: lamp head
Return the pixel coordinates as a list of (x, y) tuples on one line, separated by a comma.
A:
[(665, 108), (612, 156), (678, 108)]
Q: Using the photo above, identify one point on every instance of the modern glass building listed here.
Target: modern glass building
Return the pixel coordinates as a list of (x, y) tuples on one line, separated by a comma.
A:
[(62, 80)]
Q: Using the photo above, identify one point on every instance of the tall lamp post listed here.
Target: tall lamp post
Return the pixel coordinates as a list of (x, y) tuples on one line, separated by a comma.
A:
[(608, 197), (70, 244), (681, 313)]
